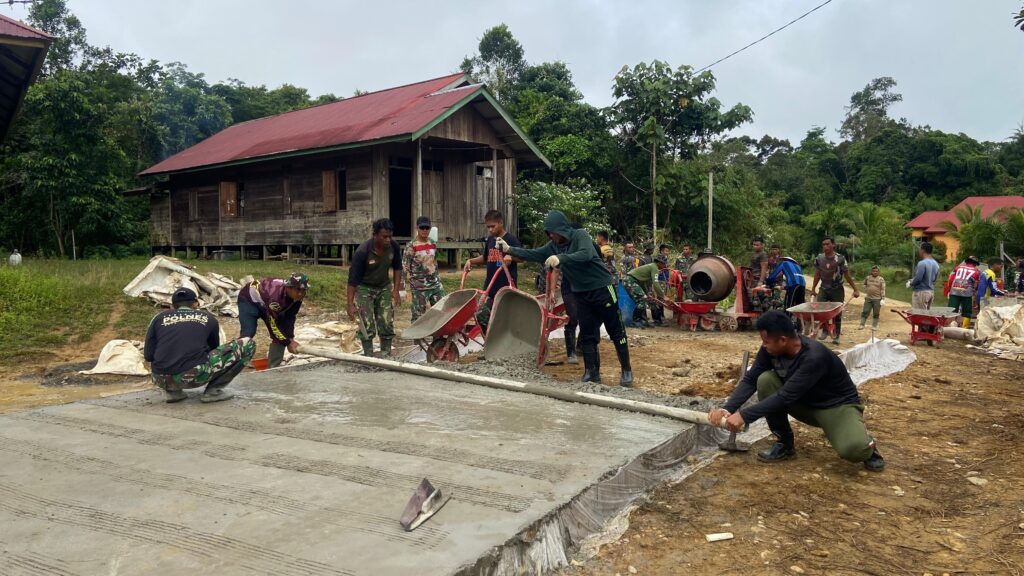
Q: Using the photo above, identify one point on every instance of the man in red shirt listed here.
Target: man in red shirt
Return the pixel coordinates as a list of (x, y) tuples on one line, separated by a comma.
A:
[(962, 286)]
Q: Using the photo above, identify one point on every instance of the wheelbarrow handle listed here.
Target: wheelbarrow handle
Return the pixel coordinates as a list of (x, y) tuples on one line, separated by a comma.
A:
[(504, 268)]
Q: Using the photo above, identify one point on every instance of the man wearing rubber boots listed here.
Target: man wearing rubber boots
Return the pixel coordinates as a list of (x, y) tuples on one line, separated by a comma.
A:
[(184, 351), (640, 283), (574, 253), (372, 297), (798, 376), (277, 303)]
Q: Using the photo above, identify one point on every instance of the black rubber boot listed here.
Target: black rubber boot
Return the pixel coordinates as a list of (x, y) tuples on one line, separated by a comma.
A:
[(591, 366), (782, 449), (385, 348), (875, 463), (622, 351), (570, 347), (367, 347)]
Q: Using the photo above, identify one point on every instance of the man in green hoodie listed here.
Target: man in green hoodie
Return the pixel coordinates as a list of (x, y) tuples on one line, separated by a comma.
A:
[(575, 253)]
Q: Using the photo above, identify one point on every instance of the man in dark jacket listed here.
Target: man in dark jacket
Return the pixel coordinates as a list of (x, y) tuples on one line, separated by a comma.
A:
[(276, 302), (798, 376), (576, 255), (184, 351)]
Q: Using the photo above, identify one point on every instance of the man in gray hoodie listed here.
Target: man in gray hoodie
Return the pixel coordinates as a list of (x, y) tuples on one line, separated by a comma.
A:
[(574, 252)]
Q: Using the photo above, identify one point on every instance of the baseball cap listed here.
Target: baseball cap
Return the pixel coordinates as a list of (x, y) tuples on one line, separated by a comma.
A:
[(973, 260), (183, 296), (423, 222), (297, 280)]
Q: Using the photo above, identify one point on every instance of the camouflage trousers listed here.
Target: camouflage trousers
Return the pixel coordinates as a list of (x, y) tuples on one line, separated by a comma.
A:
[(423, 299), (376, 313), (483, 313), (221, 366), (636, 292)]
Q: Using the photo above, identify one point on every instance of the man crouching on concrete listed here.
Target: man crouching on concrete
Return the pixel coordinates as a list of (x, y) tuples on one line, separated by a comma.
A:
[(799, 376), (183, 347)]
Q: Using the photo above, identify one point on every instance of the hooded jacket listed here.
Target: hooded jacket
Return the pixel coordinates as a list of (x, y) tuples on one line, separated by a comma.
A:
[(578, 258)]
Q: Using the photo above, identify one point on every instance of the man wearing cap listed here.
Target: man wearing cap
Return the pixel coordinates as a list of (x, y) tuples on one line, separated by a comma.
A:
[(682, 265), (276, 302), (419, 261), (183, 348), (372, 297), (639, 284)]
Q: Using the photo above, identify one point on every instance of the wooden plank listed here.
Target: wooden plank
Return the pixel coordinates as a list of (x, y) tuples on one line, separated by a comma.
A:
[(330, 191)]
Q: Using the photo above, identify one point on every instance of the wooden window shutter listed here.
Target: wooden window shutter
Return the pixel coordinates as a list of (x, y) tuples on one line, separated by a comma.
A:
[(330, 190), (228, 199)]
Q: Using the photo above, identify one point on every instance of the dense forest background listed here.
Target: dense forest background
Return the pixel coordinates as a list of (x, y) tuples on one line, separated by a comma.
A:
[(96, 117)]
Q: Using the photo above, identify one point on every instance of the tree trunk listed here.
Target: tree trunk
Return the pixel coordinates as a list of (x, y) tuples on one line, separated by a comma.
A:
[(57, 226), (654, 191)]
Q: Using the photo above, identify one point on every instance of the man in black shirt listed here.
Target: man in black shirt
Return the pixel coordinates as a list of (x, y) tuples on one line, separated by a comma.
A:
[(494, 259), (795, 375), (372, 298), (183, 348)]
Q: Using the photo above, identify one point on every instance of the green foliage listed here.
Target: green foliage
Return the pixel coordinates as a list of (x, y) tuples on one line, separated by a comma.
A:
[(498, 63), (978, 236), (580, 201), (868, 112)]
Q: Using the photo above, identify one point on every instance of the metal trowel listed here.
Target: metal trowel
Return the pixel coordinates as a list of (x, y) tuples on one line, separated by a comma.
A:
[(732, 444), (425, 502)]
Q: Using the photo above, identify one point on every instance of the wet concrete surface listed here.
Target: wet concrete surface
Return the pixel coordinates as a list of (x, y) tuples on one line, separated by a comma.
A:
[(306, 471)]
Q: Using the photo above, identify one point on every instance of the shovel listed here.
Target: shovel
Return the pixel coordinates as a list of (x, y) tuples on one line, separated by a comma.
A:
[(731, 445), (425, 502)]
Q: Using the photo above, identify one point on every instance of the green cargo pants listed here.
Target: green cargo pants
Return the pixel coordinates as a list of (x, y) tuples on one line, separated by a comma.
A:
[(376, 313), (221, 366), (843, 425), (423, 299)]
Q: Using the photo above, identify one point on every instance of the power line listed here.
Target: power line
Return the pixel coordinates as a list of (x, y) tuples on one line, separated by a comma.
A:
[(766, 36)]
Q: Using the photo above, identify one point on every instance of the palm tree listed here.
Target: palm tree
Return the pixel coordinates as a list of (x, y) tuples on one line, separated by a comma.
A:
[(1013, 230), (976, 234)]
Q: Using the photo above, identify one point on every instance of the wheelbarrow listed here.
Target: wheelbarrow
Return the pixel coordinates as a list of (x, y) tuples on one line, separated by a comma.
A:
[(927, 325), (691, 314), (520, 323), (815, 316), (451, 322)]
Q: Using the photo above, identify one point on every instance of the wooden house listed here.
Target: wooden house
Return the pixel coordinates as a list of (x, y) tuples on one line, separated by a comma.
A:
[(22, 53), (315, 179)]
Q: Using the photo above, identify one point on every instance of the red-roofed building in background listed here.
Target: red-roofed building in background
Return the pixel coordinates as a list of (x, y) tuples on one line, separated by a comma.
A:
[(928, 225), (22, 53), (316, 178)]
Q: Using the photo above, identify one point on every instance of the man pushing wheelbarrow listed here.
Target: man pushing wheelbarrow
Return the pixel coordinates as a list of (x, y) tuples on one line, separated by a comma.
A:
[(576, 255)]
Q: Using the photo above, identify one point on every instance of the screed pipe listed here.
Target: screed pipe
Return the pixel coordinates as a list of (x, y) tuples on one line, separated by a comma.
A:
[(691, 416)]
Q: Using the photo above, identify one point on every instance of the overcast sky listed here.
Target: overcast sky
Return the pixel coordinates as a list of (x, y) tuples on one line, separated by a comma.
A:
[(959, 63)]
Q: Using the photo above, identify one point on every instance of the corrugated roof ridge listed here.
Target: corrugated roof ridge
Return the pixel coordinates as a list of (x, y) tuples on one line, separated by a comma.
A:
[(456, 89), (24, 26), (381, 91)]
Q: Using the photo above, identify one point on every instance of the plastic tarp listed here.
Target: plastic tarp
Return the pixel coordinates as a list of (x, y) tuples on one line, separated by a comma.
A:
[(1000, 329), (163, 275), (599, 514), (120, 357)]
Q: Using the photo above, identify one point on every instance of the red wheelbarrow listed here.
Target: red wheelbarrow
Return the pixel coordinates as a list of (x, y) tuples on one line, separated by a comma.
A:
[(520, 323), (691, 314), (927, 325), (451, 322), (815, 316)]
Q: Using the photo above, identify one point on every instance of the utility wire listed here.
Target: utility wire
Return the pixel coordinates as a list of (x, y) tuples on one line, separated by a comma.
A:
[(766, 36)]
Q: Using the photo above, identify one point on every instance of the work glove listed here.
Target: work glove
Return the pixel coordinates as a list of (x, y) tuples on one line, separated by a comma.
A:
[(500, 244), (881, 302), (552, 261), (909, 282)]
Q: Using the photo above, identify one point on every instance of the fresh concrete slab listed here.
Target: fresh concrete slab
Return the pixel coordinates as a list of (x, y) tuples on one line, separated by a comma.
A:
[(306, 471)]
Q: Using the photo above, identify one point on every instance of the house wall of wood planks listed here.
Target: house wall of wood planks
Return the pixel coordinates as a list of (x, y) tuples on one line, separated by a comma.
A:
[(465, 172)]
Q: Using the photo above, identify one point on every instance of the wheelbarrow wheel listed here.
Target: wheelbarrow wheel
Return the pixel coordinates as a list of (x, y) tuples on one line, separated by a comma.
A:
[(444, 350), (708, 323), (727, 324)]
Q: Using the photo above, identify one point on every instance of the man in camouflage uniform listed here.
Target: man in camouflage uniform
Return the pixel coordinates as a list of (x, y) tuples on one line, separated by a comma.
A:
[(630, 259), (419, 261), (682, 265), (371, 296), (184, 350), (639, 283)]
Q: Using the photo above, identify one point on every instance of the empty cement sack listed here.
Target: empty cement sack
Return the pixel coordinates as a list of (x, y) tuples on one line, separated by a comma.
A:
[(120, 357), (163, 275), (1000, 329)]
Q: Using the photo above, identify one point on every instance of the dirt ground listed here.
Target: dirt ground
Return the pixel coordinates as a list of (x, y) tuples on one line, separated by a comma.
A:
[(951, 500)]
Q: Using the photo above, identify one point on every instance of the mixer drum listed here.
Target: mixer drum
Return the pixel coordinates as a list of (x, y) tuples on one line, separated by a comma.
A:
[(712, 278)]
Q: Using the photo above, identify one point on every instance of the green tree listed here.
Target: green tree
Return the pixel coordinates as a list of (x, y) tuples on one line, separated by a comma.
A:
[(978, 235), (69, 38), (499, 62), (868, 112), (187, 109), (1018, 19), (579, 200)]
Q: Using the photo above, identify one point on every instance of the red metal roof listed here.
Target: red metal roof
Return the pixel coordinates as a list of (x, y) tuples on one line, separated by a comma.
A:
[(375, 116), (928, 219), (989, 206), (11, 27)]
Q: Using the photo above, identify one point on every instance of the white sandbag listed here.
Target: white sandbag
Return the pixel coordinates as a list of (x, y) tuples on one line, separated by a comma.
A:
[(1001, 331), (120, 357), (163, 275)]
